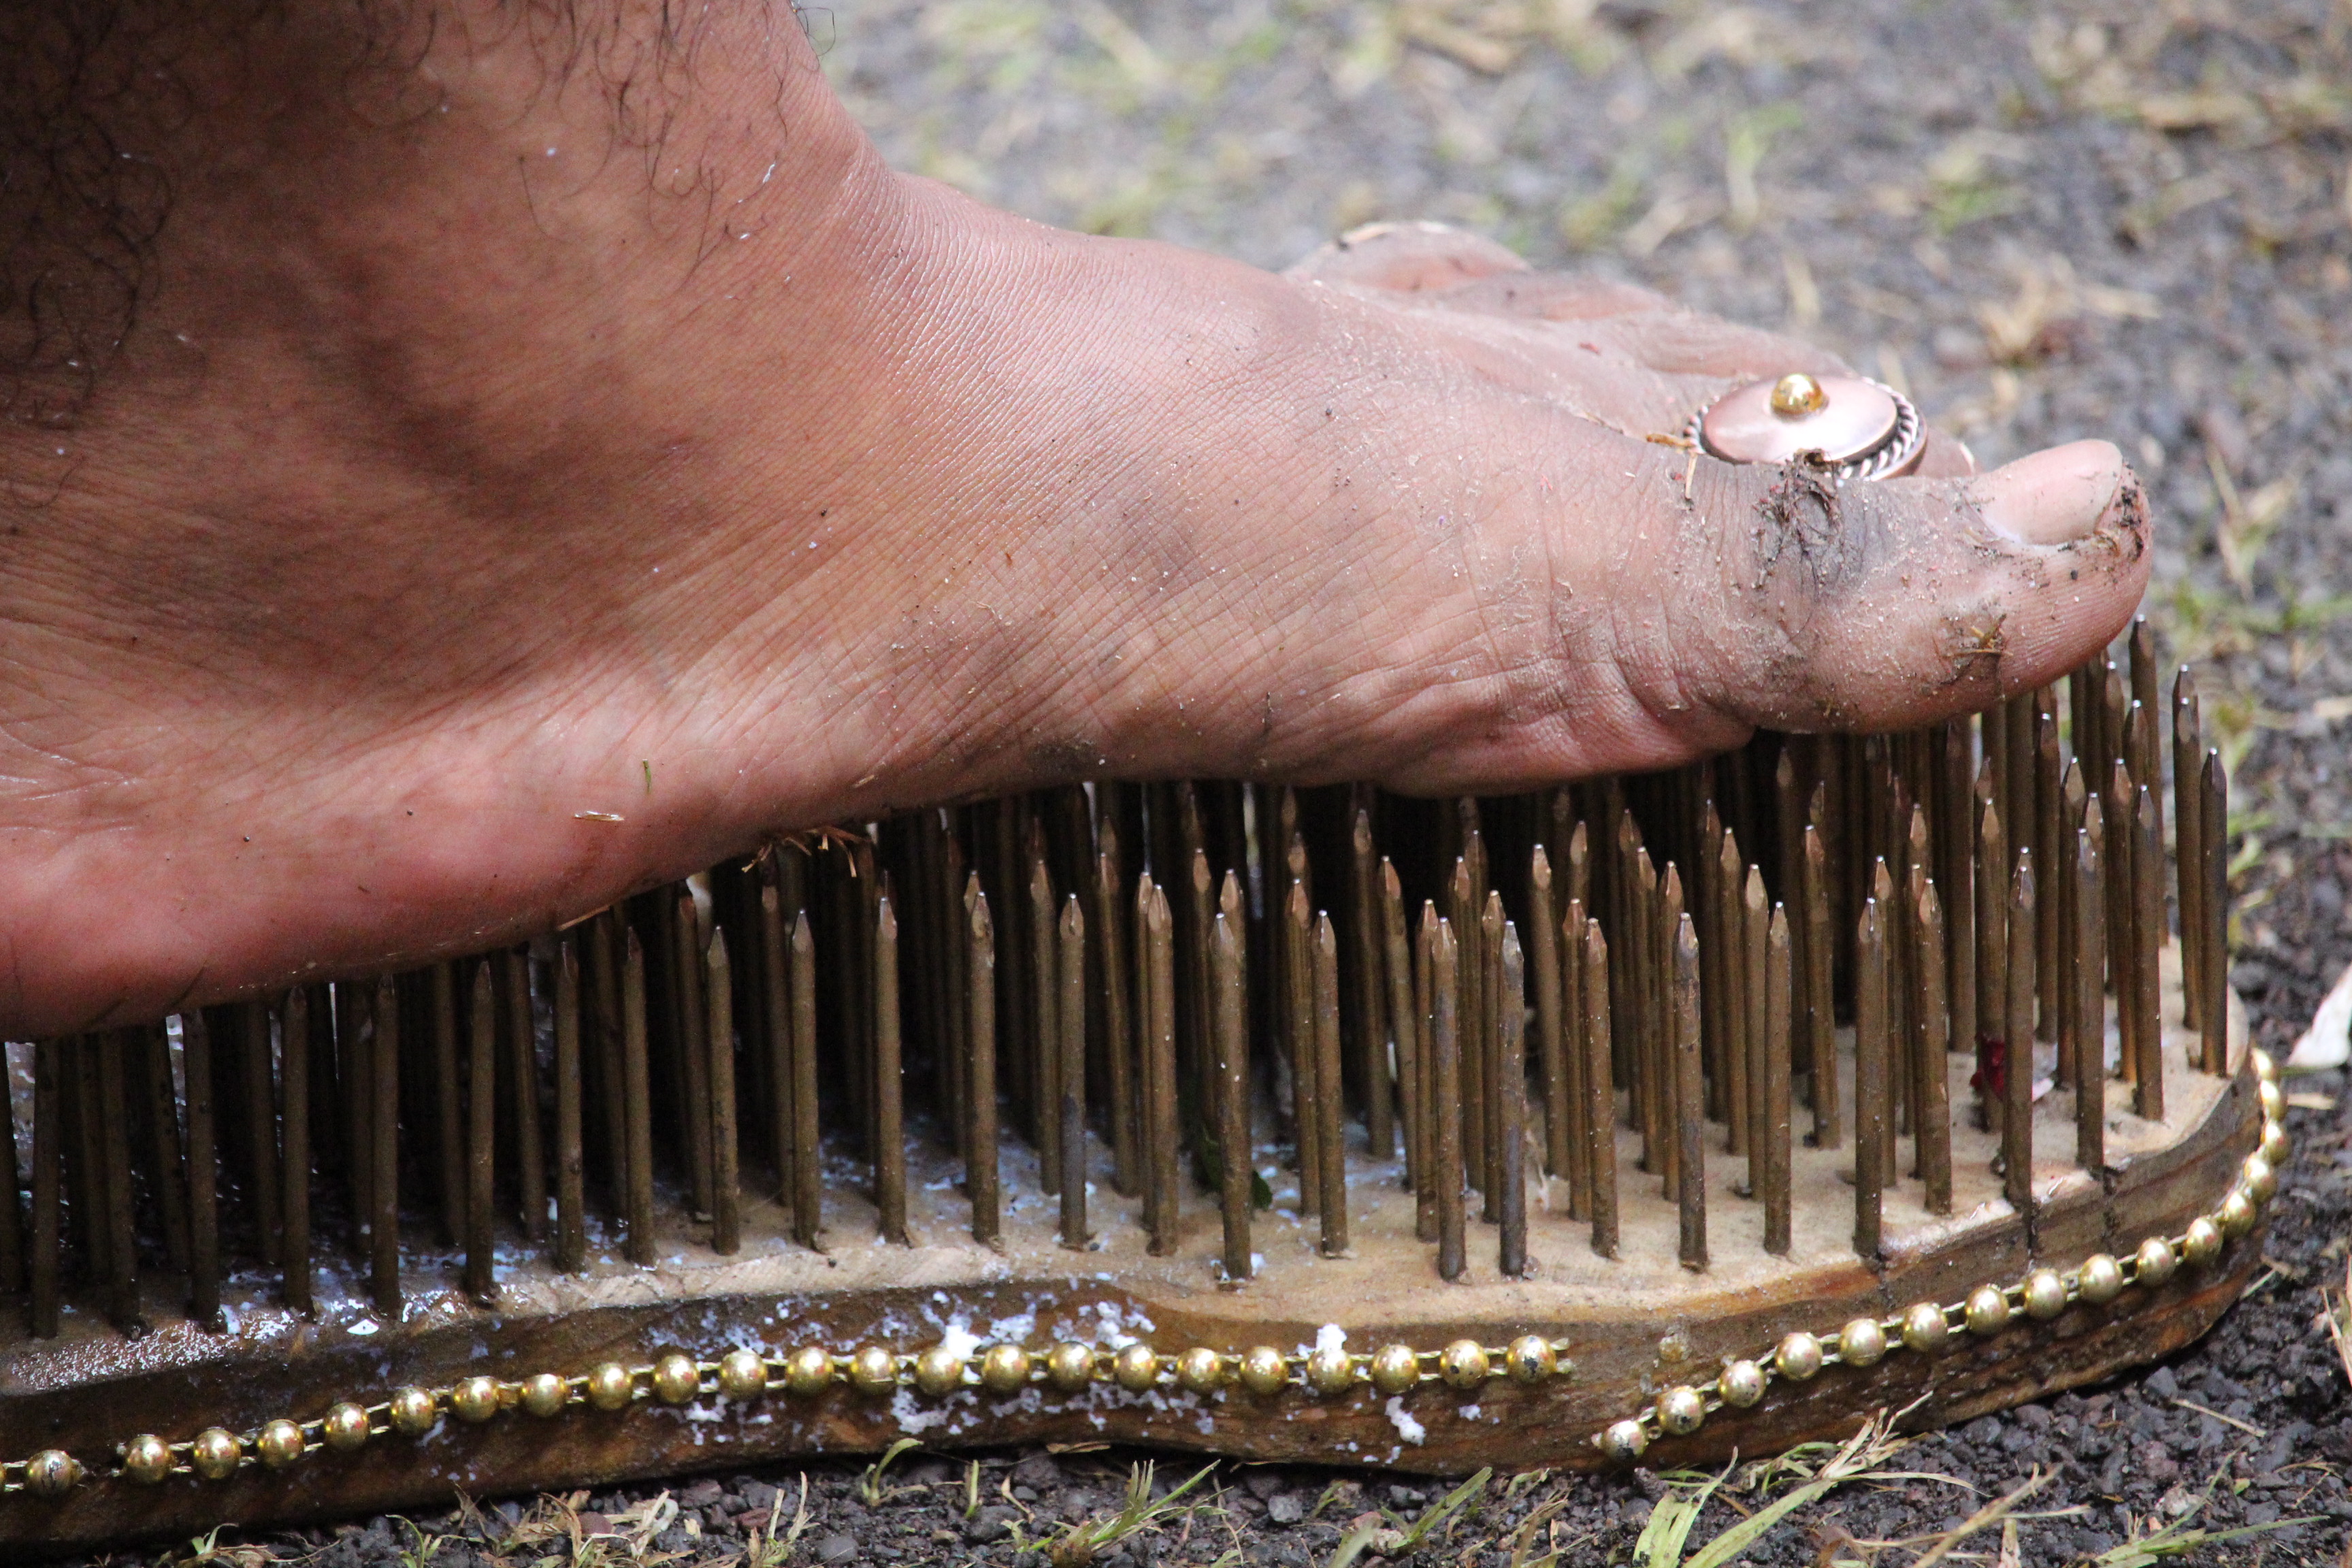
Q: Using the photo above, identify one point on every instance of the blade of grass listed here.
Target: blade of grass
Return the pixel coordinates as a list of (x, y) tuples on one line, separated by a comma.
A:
[(1663, 1539), (1859, 1459)]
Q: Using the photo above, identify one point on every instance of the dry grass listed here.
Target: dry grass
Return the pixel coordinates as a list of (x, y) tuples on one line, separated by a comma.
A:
[(2336, 1312)]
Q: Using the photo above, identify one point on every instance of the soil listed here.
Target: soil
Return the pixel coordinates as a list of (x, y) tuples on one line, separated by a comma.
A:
[(2126, 219)]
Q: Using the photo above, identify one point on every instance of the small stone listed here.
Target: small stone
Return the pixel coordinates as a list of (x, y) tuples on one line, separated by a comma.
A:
[(700, 1494), (1037, 1470), (1984, 1429), (1634, 1512), (1284, 1507), (1262, 1484), (758, 1495), (1025, 1494), (837, 1549), (992, 1523), (2162, 1384), (2032, 1417)]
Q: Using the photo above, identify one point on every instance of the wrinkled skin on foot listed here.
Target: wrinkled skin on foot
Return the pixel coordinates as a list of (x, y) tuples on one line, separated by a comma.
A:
[(535, 468)]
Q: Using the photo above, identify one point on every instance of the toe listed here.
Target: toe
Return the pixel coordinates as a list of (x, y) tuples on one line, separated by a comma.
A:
[(1406, 258), (1885, 605)]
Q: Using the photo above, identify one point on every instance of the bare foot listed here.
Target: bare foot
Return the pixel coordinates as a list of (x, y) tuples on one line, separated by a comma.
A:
[(541, 459)]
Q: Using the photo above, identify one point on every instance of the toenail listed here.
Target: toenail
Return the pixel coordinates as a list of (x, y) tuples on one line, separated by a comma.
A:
[(2052, 496)]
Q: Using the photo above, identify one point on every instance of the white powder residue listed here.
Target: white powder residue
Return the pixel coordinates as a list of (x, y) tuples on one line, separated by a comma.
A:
[(915, 1417), (958, 1340), (1330, 1337), (1411, 1430)]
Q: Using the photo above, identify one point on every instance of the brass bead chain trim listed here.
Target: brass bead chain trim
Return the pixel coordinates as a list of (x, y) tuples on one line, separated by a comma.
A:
[(1005, 1370), (939, 1372), (1928, 1327)]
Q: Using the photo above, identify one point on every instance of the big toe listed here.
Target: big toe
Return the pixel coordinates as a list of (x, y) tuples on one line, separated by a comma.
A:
[(1883, 605)]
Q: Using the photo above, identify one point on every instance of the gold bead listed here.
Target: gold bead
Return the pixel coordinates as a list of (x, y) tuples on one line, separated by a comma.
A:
[(53, 1472), (1201, 1370), (939, 1372), (676, 1378), (544, 1393), (476, 1399), (743, 1374), (1136, 1367), (1987, 1311), (345, 1427), (1924, 1328), (146, 1458), (2259, 1178), (1330, 1370), (2045, 1294), (2202, 1244), (1796, 395), (2155, 1261), (1529, 1359), (1741, 1384), (1396, 1368), (2266, 1067), (1862, 1342), (278, 1443), (1681, 1410), (2236, 1216), (1004, 1369), (610, 1386), (214, 1453), (2277, 1144), (1623, 1441), (1264, 1370), (808, 1371), (2100, 1279), (1069, 1367), (873, 1371), (1463, 1363), (412, 1412), (2273, 1100), (1798, 1357)]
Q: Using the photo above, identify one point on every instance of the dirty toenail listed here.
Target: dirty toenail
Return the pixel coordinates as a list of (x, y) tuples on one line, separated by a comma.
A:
[(2054, 496)]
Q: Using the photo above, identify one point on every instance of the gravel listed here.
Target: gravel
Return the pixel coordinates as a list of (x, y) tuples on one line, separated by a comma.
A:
[(2122, 219)]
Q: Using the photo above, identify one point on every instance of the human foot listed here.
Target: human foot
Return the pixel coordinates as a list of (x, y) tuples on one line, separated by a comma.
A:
[(531, 477)]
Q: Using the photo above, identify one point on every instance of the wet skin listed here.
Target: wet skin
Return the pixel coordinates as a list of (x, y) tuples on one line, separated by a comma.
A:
[(546, 461)]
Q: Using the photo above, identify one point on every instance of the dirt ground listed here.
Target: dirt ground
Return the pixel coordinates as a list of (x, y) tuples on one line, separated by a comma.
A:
[(2126, 219)]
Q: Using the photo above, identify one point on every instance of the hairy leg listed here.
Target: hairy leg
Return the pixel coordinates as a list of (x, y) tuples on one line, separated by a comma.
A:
[(547, 449)]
